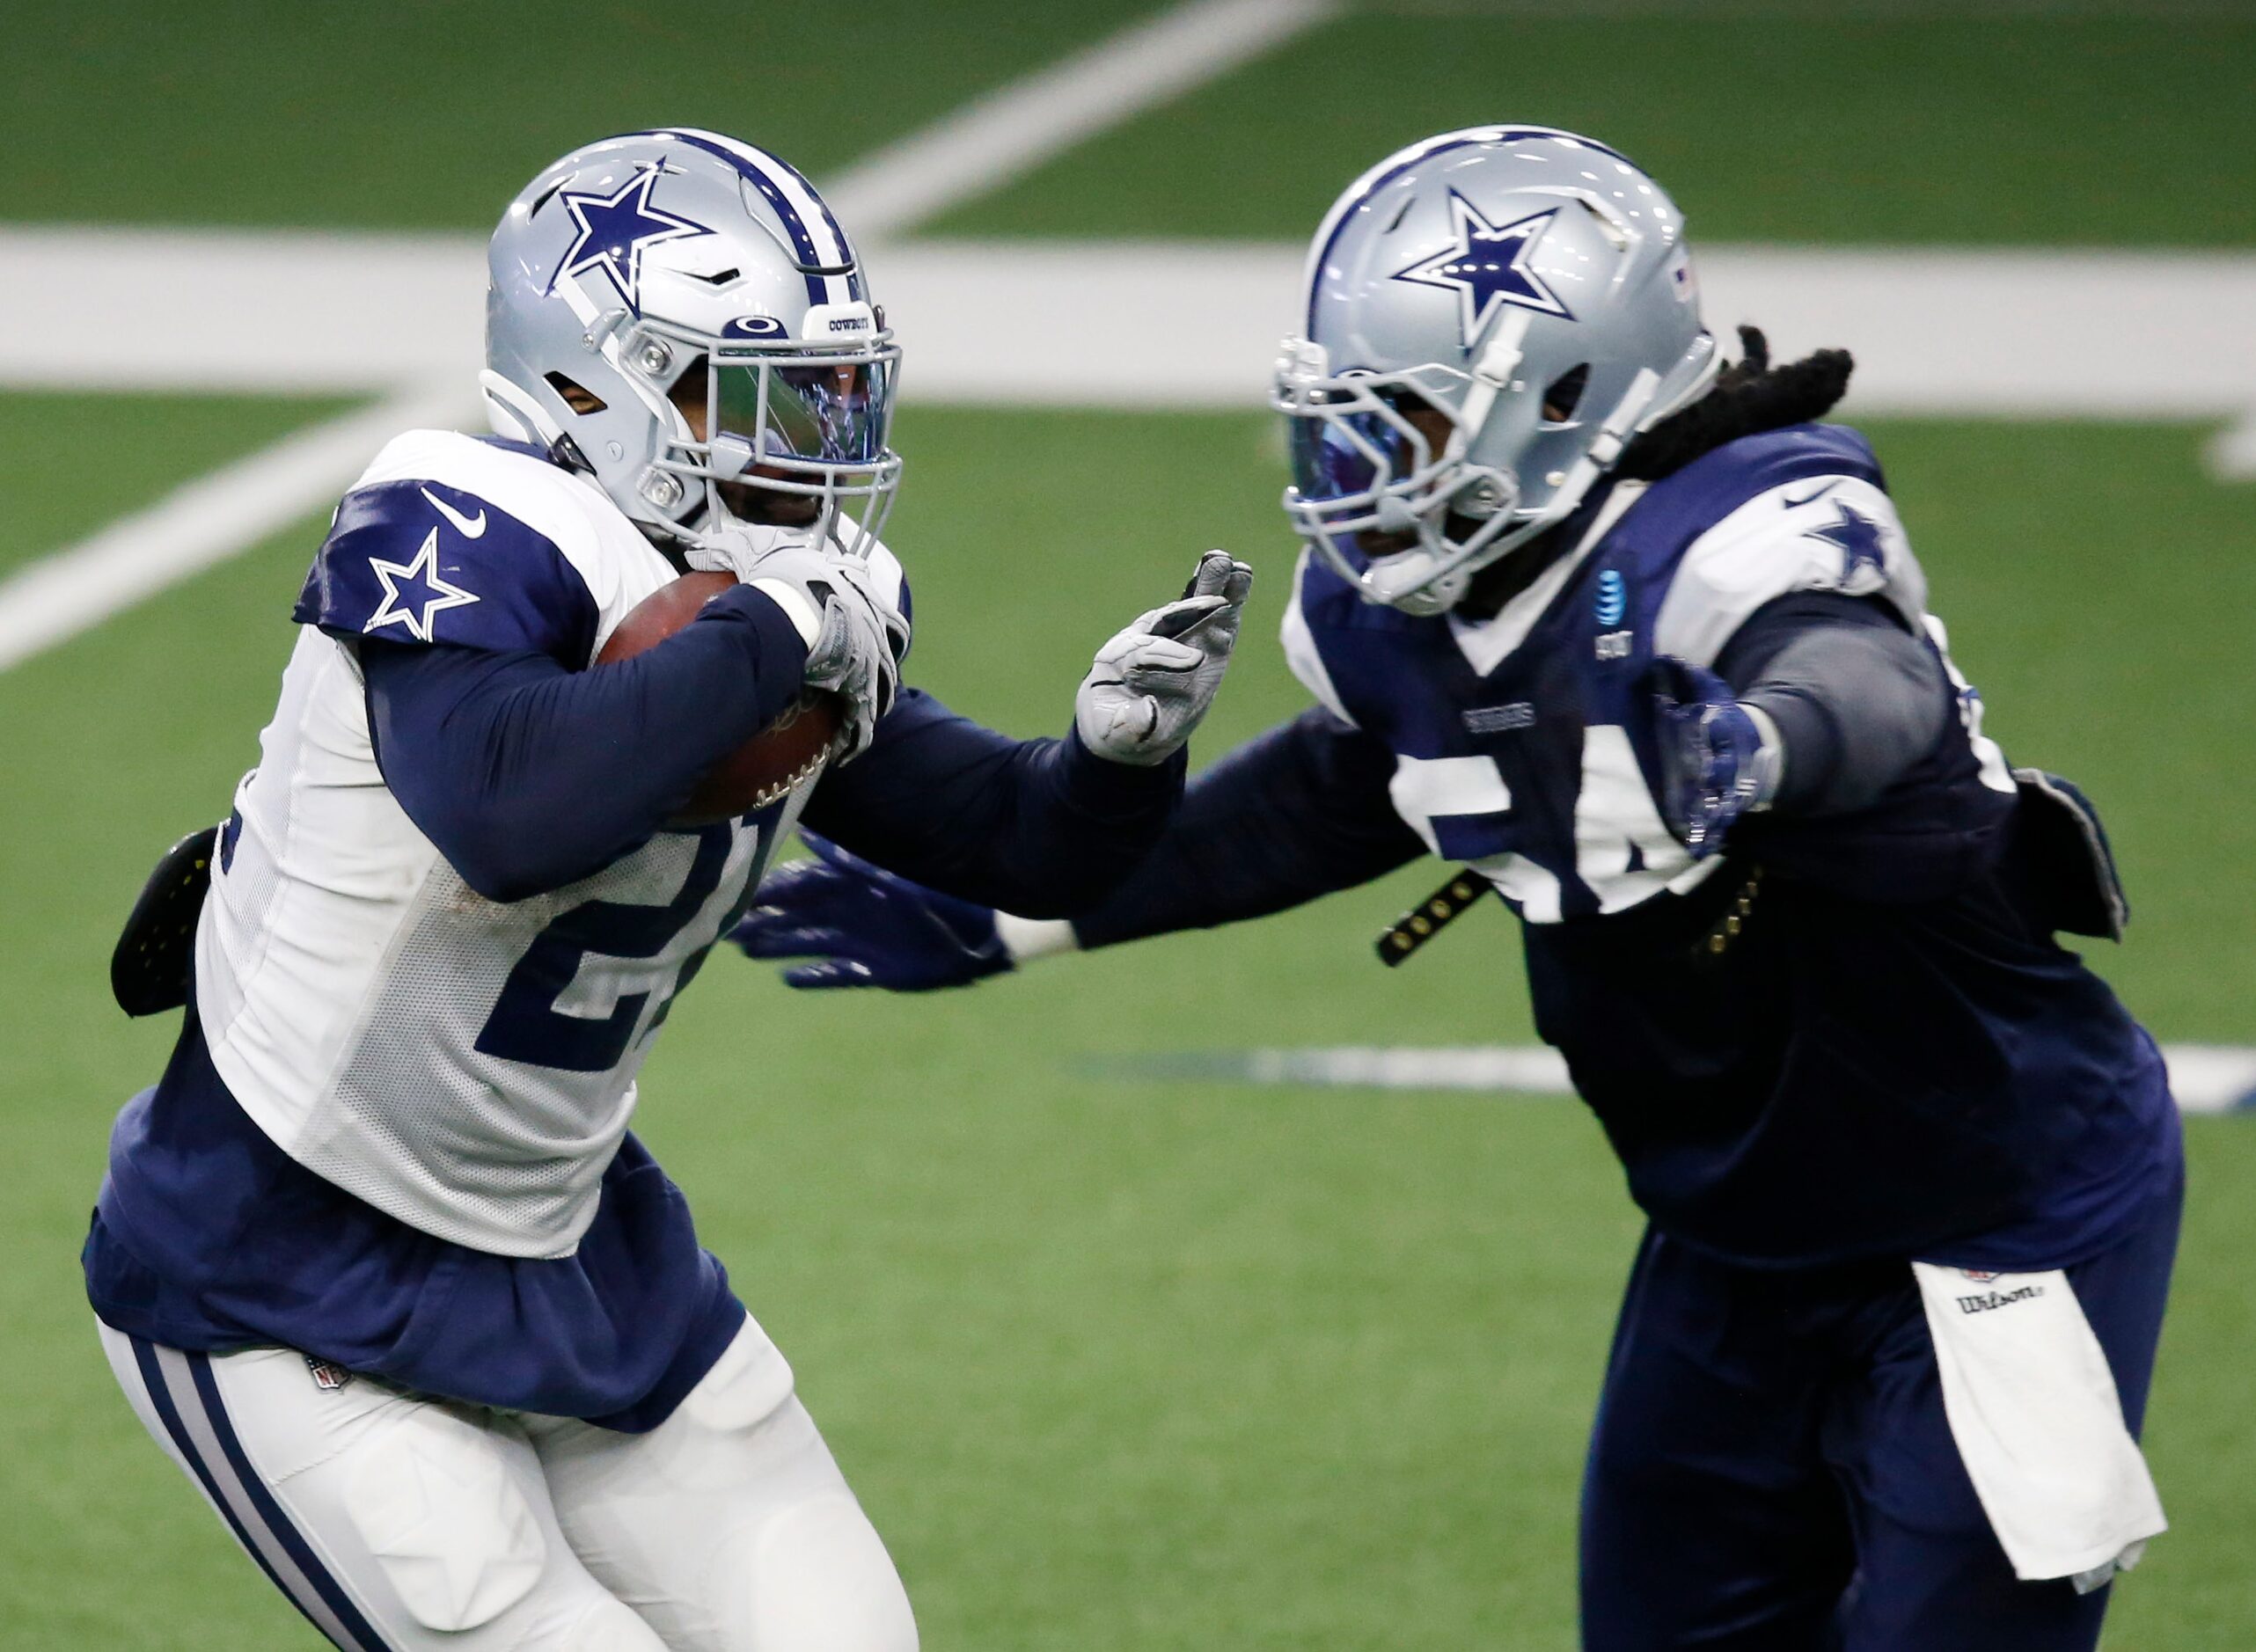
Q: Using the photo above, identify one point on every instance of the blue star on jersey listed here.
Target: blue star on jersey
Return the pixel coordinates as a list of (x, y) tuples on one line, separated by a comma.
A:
[(1858, 536), (413, 595), (614, 231), (1488, 267)]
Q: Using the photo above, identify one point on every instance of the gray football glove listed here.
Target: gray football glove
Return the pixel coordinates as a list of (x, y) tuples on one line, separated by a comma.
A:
[(853, 638), (1152, 683)]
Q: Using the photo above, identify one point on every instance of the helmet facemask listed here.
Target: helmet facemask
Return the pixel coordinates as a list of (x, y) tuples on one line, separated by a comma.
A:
[(783, 421), (1364, 463)]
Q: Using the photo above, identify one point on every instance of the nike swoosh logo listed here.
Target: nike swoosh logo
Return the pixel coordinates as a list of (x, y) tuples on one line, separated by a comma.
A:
[(468, 527), (1793, 504)]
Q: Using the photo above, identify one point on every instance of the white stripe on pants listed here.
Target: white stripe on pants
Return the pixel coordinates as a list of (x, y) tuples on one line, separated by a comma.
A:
[(396, 1523)]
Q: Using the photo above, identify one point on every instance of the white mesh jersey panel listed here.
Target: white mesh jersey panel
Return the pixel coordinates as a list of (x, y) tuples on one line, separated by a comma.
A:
[(500, 1150), (347, 979)]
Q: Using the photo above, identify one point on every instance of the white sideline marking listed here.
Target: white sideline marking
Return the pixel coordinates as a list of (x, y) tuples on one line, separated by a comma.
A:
[(205, 522), (1022, 125), (1937, 332), (2205, 1078)]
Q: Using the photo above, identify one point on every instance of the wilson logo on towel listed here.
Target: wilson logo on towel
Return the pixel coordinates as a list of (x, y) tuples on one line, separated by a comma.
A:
[(1984, 1301)]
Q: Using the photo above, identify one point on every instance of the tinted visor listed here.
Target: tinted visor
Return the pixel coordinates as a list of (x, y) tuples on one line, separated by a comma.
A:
[(1330, 463), (835, 412)]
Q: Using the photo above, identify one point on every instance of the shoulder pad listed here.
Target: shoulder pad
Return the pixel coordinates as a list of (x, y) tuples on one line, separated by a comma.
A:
[(1829, 531), (451, 538), (1310, 582)]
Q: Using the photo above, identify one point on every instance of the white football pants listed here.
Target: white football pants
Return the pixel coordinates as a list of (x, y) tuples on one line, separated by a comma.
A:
[(396, 1522)]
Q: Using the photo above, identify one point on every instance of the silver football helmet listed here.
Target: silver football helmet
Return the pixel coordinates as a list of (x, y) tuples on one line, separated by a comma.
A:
[(1491, 315), (683, 311)]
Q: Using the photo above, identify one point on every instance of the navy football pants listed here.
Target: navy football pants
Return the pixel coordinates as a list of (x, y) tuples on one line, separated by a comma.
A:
[(1771, 1471)]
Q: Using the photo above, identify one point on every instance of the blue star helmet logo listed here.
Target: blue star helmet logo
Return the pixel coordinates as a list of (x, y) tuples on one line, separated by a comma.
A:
[(1858, 537), (1488, 267), (614, 231)]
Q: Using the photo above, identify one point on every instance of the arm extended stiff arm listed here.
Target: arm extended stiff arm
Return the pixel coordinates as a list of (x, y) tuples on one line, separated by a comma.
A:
[(1042, 826), (1296, 813)]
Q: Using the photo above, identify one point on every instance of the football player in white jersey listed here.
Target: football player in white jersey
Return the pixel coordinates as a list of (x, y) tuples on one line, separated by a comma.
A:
[(378, 1262), (1646, 648)]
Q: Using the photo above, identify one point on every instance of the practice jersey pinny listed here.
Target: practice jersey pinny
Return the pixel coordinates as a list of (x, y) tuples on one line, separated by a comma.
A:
[(465, 1065), (1518, 747)]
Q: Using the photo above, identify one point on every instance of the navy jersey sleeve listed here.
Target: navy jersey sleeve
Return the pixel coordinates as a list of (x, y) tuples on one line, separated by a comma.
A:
[(1042, 827), (1292, 815), (1884, 797), (1858, 700), (527, 776), (421, 562)]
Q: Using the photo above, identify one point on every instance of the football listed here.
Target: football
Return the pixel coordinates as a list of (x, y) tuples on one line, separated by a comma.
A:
[(768, 765)]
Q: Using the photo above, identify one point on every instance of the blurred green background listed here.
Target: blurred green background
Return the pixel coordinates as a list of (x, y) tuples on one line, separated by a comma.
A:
[(1115, 1364)]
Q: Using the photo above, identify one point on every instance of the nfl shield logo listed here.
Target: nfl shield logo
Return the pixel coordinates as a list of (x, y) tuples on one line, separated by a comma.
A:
[(328, 1375), (1981, 1276)]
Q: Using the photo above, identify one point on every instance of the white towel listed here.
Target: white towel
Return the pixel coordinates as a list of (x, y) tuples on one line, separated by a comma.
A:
[(2039, 1425)]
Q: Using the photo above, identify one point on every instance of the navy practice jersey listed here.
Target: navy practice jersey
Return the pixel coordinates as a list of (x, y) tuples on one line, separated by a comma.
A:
[(1851, 1034)]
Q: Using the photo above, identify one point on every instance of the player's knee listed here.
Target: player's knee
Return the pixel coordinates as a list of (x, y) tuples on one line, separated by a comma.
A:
[(434, 1498), (814, 1577), (611, 1627)]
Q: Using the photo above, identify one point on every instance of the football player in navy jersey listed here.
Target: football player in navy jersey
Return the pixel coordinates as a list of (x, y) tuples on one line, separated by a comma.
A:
[(1644, 647), (378, 1262)]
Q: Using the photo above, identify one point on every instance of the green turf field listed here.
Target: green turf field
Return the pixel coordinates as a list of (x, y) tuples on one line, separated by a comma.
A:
[(1114, 1364)]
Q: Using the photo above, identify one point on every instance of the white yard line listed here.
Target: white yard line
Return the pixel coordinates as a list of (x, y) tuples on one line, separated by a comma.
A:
[(1007, 134), (2205, 1078), (400, 315), (206, 522)]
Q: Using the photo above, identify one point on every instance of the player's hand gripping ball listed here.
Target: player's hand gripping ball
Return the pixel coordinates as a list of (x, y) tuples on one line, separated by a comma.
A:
[(767, 766)]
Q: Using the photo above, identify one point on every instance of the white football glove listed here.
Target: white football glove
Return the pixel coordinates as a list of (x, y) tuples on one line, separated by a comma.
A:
[(1152, 683), (854, 637)]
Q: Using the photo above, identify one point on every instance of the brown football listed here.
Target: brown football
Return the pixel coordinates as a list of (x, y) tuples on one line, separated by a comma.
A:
[(770, 763)]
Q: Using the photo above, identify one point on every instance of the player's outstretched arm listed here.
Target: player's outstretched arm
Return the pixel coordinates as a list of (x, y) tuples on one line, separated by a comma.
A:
[(1297, 813), (1043, 826)]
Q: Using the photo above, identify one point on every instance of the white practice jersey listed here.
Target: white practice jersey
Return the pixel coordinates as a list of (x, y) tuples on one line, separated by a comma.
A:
[(462, 1064)]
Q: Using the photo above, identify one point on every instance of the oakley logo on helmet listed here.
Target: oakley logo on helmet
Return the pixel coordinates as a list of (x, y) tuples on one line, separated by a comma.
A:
[(1488, 267)]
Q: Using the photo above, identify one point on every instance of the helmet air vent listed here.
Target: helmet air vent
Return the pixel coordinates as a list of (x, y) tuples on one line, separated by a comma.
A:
[(576, 396), (1563, 394)]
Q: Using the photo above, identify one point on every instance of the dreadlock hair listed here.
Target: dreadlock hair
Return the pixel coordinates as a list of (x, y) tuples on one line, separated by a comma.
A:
[(1748, 396)]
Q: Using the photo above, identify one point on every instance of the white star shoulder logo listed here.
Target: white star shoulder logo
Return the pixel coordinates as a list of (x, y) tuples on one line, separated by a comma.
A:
[(414, 593)]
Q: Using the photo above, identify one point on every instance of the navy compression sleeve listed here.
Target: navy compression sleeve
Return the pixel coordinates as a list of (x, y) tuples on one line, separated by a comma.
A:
[(1040, 827), (1857, 698), (528, 776), (1293, 814)]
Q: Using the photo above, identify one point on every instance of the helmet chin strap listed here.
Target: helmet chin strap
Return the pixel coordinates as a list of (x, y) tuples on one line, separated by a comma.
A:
[(1499, 359)]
